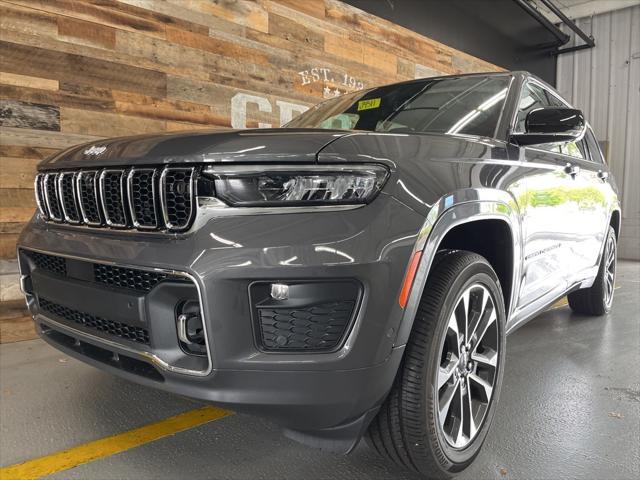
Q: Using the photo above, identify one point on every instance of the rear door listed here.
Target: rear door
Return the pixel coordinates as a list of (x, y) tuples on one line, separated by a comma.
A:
[(584, 202), (596, 195)]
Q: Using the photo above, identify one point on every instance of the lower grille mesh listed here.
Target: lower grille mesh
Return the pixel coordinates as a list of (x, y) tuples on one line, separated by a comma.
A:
[(140, 280), (121, 277), (317, 327), (135, 334), (50, 263)]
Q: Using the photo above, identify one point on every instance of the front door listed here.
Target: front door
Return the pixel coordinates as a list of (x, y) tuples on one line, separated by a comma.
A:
[(547, 213)]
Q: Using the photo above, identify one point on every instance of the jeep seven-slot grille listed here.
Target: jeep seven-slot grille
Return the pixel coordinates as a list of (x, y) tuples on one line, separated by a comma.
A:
[(128, 332), (128, 198)]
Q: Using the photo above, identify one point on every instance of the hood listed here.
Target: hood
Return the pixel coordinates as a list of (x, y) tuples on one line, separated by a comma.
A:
[(255, 146)]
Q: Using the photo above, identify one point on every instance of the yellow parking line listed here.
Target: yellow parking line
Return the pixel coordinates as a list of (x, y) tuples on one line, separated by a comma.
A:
[(88, 452)]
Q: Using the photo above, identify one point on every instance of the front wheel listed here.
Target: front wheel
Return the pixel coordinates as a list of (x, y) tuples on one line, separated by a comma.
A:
[(441, 405)]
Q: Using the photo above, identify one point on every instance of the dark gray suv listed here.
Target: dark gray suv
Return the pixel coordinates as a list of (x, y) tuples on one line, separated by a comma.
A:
[(352, 274)]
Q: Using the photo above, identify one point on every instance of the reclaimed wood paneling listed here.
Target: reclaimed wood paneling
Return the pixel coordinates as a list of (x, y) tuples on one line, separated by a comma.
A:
[(74, 71), (29, 115)]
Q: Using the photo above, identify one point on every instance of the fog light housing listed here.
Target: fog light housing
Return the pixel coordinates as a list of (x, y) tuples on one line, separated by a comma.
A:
[(306, 316), (190, 329)]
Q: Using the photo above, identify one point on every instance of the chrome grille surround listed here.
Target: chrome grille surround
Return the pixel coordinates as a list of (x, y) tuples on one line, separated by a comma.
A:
[(51, 195), (177, 203), (88, 197), (129, 198), (112, 197), (40, 200), (68, 197), (143, 199)]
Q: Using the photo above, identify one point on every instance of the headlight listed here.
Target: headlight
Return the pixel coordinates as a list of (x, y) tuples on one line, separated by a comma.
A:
[(262, 186)]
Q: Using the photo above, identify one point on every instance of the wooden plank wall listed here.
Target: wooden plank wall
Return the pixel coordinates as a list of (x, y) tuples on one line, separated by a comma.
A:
[(73, 71)]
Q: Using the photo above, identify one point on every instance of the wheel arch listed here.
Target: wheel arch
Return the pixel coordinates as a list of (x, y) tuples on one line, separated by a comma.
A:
[(493, 240), (614, 221), (449, 225)]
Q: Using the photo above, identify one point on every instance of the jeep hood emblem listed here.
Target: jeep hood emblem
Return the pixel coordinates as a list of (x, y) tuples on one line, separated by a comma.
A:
[(95, 150)]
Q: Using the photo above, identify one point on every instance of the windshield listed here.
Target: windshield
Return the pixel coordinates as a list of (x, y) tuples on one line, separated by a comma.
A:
[(455, 105)]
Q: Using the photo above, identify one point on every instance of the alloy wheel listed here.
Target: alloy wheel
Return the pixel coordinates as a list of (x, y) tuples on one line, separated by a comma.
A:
[(609, 271), (468, 366)]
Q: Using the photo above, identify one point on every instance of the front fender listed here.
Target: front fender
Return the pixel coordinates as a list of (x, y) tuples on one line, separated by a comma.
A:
[(463, 206)]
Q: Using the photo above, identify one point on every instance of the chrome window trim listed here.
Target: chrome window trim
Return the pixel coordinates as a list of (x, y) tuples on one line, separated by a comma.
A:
[(83, 212), (137, 224), (46, 195), (588, 130), (39, 190), (163, 198), (503, 110), (65, 214), (153, 358), (108, 221)]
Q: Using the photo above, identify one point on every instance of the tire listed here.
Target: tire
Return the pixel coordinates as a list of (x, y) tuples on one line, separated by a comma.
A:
[(407, 429), (597, 299)]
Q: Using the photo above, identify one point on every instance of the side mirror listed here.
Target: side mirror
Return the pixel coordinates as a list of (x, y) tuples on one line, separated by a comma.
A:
[(551, 125)]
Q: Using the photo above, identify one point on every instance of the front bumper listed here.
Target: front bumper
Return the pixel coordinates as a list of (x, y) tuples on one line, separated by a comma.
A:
[(223, 256)]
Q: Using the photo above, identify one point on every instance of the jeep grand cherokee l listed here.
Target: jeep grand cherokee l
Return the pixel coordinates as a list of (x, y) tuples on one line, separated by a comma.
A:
[(351, 275)]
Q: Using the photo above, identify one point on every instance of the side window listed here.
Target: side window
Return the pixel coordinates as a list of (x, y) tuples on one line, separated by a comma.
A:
[(532, 97), (575, 149), (594, 148), (553, 100)]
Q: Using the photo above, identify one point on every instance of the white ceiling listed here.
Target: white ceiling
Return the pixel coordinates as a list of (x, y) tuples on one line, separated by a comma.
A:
[(583, 8)]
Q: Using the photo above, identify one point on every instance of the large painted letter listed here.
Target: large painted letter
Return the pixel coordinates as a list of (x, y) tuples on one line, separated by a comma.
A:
[(239, 109)]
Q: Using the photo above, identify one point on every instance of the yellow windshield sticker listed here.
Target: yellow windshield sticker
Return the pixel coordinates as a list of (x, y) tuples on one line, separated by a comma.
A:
[(368, 104)]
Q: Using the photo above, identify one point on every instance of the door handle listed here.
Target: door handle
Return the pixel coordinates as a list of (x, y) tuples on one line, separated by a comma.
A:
[(602, 175), (571, 169)]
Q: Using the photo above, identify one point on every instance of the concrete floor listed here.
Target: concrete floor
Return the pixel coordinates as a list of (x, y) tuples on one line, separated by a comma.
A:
[(570, 408)]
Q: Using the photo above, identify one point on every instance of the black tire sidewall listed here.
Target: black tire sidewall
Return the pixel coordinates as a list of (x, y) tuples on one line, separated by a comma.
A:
[(603, 269), (453, 460)]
